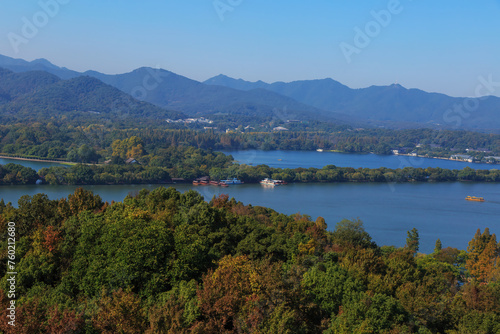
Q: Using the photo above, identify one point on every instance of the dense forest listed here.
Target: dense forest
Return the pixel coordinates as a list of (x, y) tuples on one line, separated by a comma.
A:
[(166, 262)]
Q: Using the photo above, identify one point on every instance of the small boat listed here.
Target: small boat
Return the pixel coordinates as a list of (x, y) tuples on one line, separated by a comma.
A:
[(232, 181), (222, 184), (474, 199), (267, 182), (272, 183), (196, 183), (214, 183)]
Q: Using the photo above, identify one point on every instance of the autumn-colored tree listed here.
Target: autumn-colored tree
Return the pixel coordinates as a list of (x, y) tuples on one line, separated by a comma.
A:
[(52, 238), (83, 200), (226, 292), (242, 296), (483, 261), (121, 312), (64, 321), (363, 264), (132, 147), (30, 317), (220, 201), (4, 313), (481, 297), (487, 267), (450, 255), (318, 233), (308, 248), (167, 318)]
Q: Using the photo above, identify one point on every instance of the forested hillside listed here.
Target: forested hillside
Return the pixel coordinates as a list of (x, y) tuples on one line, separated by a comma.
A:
[(166, 262), (40, 96)]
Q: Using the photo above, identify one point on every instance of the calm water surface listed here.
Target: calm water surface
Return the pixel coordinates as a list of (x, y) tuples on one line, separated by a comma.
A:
[(387, 210), (36, 165), (306, 159)]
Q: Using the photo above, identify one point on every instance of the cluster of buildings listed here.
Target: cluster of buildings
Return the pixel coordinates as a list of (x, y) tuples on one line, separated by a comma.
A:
[(492, 159), (462, 157), (277, 128), (456, 157), (405, 150), (190, 120)]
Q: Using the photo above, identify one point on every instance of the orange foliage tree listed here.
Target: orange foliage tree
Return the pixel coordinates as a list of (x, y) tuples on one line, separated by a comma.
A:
[(483, 261)]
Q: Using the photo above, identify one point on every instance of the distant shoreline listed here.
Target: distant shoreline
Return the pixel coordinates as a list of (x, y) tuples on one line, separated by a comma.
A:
[(39, 160), (442, 158), (419, 156)]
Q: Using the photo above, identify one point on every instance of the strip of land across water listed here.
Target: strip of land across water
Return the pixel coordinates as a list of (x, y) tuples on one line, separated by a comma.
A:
[(38, 160)]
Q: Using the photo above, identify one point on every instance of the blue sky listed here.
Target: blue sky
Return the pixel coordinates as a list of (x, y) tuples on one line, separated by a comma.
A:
[(440, 46)]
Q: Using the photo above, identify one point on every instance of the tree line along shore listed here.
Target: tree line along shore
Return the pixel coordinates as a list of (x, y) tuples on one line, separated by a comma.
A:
[(222, 168)]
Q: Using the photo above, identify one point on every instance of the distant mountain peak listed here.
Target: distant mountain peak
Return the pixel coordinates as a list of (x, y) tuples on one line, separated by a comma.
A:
[(43, 61), (221, 76)]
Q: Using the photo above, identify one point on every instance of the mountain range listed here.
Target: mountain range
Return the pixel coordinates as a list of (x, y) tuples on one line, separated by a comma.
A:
[(322, 100), (39, 94), (390, 104)]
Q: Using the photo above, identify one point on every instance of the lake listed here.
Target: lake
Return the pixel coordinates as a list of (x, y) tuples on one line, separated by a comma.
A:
[(437, 210), (306, 159), (36, 165)]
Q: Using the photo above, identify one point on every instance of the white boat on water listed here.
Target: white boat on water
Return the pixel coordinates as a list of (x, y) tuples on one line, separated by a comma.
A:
[(272, 183), (232, 181)]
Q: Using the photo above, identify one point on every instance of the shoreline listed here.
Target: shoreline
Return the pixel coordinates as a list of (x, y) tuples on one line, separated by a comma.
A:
[(39, 160), (449, 159)]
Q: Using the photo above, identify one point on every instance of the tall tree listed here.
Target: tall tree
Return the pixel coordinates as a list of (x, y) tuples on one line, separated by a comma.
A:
[(483, 253), (438, 246), (413, 240)]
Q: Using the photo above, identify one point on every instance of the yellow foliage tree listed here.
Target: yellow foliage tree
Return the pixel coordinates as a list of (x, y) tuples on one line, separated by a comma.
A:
[(132, 147)]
